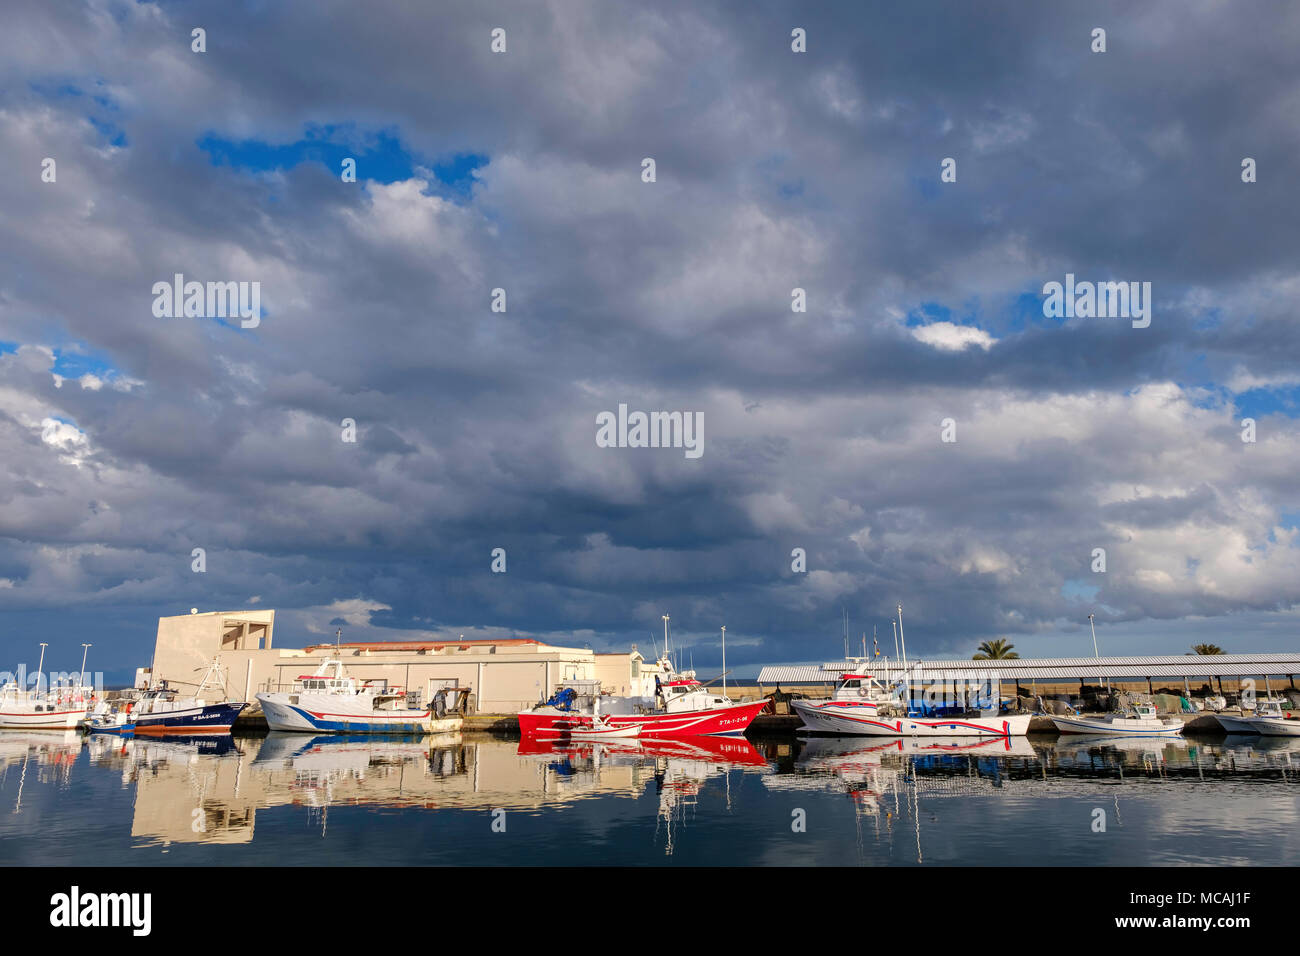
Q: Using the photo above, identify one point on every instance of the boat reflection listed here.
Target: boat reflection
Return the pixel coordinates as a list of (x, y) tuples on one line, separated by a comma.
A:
[(49, 755), (888, 781), (210, 789), (678, 769)]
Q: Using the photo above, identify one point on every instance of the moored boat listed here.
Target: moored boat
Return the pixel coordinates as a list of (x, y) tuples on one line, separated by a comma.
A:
[(27, 710), (1268, 707), (328, 701), (602, 729), (58, 707), (164, 711), (104, 719), (1281, 723), (681, 707), (863, 707), (1140, 722), (857, 698)]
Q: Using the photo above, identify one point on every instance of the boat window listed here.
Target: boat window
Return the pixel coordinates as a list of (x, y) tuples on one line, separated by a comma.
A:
[(853, 683)]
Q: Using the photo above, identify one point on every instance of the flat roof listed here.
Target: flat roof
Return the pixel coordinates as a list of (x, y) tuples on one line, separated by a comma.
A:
[(425, 645), (1055, 668)]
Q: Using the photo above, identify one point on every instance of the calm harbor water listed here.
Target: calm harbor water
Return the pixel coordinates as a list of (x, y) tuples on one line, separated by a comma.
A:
[(476, 799)]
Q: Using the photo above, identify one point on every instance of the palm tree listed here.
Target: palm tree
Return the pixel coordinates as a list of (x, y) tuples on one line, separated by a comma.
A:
[(997, 650), (1207, 649)]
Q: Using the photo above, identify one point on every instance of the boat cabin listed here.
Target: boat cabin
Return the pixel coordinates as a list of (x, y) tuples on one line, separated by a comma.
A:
[(1269, 707), (327, 679), (686, 693), (858, 687)]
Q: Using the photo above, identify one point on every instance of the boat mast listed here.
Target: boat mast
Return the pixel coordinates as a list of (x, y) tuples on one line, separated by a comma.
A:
[(891, 670), (901, 637), (1095, 655), (903, 641), (667, 656), (724, 660)]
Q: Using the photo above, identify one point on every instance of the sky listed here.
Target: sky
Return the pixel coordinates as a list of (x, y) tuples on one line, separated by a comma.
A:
[(129, 440)]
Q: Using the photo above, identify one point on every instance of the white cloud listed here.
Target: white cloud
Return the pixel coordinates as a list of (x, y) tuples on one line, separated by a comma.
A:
[(951, 337)]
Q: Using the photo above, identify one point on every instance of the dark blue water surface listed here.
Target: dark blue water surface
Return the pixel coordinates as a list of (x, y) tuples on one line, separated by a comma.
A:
[(477, 799)]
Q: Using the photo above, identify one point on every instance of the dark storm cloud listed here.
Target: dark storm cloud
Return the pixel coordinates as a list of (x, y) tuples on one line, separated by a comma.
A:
[(775, 170)]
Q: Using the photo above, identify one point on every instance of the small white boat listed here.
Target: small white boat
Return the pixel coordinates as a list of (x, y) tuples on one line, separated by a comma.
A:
[(105, 719), (1266, 708), (855, 701), (56, 710), (1141, 722), (1277, 722)]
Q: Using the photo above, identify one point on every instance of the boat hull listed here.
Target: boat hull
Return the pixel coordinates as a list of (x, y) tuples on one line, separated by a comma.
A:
[(1103, 728), (1277, 727), (855, 721), (188, 721), (112, 730), (20, 717), (1235, 725), (729, 721), (331, 714)]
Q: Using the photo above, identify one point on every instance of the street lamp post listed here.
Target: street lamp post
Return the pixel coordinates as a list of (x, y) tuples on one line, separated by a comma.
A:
[(40, 667), (85, 649)]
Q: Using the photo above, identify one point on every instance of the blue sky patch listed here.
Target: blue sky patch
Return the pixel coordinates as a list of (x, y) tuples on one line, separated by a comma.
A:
[(77, 360), (380, 156)]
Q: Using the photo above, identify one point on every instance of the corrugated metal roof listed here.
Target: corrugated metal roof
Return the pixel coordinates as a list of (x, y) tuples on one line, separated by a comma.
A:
[(1063, 668)]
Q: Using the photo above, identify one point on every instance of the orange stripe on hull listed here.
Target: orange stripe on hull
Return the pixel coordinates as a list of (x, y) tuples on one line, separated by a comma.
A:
[(189, 731)]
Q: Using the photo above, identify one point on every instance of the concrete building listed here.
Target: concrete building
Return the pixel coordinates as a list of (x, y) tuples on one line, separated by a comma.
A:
[(503, 676)]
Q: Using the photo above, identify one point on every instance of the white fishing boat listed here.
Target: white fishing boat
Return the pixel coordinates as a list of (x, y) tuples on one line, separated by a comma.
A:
[(61, 707), (1244, 724), (861, 706), (1142, 721), (855, 698), (328, 701), (26, 710), (1278, 722)]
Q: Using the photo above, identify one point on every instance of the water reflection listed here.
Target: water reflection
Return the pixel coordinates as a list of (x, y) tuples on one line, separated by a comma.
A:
[(47, 756), (678, 770), (211, 790)]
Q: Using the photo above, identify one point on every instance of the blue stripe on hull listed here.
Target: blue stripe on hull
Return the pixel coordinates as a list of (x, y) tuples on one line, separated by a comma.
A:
[(218, 715), (359, 726)]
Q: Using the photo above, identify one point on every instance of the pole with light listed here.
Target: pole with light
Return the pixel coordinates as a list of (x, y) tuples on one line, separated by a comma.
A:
[(85, 649), (40, 667)]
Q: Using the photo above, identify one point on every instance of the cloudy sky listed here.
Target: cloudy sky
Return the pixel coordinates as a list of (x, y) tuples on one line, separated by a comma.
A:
[(129, 440)]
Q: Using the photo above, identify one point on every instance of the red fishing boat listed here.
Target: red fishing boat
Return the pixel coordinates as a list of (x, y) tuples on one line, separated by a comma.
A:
[(680, 707)]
